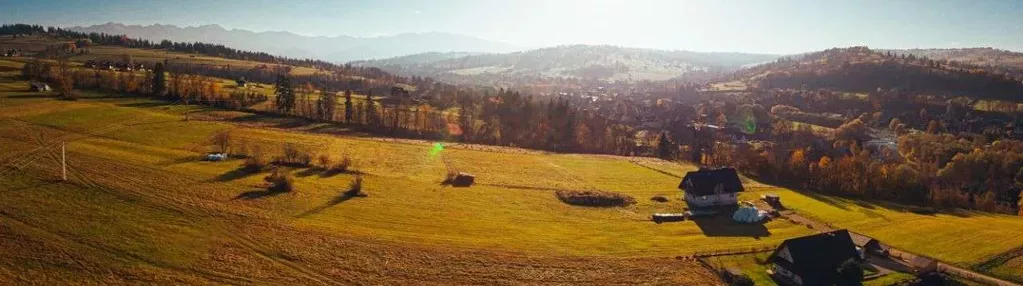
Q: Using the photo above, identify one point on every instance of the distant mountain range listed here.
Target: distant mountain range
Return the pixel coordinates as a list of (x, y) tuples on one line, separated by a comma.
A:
[(572, 61), (337, 49)]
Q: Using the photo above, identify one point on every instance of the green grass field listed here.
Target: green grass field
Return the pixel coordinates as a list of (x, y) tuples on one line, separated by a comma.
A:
[(960, 237), (139, 204), (512, 208)]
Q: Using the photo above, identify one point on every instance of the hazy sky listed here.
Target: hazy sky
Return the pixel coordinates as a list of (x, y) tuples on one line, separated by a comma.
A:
[(770, 26)]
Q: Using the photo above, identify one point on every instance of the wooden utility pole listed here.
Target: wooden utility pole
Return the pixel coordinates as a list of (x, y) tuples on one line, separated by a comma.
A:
[(63, 161)]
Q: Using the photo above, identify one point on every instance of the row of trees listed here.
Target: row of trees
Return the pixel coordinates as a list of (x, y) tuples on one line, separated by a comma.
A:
[(506, 118)]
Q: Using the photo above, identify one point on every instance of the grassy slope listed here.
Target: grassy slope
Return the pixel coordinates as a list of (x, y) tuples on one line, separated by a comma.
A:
[(960, 237), (512, 208), (150, 158), (140, 205)]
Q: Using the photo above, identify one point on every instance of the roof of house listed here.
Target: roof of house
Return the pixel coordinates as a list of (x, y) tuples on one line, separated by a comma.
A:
[(859, 239), (819, 255), (702, 182)]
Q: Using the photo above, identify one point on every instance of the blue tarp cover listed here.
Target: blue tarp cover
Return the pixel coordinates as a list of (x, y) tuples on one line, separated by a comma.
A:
[(748, 215)]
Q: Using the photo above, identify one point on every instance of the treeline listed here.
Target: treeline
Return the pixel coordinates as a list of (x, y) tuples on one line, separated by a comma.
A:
[(794, 114), (506, 118), (185, 87)]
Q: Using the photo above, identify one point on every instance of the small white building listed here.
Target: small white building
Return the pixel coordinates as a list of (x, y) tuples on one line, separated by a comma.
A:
[(711, 187), (38, 87)]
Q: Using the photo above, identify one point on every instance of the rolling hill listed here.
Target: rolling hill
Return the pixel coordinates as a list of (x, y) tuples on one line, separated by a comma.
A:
[(574, 61), (862, 70), (140, 206), (336, 49)]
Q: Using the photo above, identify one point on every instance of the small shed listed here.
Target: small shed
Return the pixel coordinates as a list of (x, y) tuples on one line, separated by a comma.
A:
[(39, 87), (463, 180), (923, 265)]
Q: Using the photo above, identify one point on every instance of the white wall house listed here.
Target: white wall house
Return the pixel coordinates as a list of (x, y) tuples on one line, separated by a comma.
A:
[(711, 187)]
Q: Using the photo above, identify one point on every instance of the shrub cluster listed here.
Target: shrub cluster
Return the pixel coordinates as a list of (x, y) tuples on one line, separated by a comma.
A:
[(294, 157), (255, 160), (355, 188), (325, 163), (595, 198), (279, 181), (341, 166)]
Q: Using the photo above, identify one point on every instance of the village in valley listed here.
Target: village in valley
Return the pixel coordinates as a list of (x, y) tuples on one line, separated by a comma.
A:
[(166, 155)]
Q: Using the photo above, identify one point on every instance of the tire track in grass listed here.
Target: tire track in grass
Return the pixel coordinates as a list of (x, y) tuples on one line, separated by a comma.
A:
[(166, 204), (637, 163), (125, 257), (567, 173), (256, 248)]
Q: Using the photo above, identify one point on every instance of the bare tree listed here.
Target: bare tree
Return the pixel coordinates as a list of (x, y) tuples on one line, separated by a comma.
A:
[(65, 82), (223, 141)]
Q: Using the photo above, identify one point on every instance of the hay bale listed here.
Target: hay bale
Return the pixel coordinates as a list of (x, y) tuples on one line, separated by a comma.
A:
[(595, 198)]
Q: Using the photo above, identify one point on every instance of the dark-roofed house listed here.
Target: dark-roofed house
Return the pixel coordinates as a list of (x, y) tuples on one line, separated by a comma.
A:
[(814, 259), (711, 187), (869, 245)]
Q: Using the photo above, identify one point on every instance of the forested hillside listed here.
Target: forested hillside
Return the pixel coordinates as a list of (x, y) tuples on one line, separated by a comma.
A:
[(864, 70)]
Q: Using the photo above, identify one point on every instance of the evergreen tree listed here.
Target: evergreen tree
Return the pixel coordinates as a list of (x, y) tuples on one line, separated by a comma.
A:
[(664, 145), (371, 118), (348, 106), (159, 80), (285, 101)]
